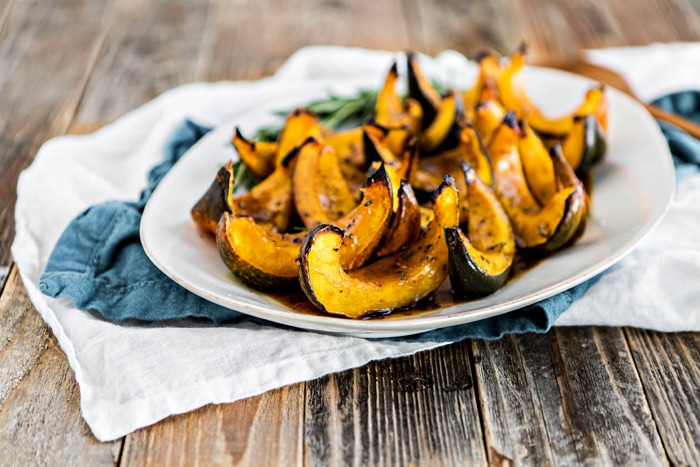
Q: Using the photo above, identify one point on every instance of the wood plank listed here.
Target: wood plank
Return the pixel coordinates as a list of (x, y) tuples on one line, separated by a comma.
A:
[(418, 410), (45, 57), (695, 4), (262, 430), (563, 27), (150, 47), (571, 396), (468, 27), (674, 20), (40, 421), (669, 368), (234, 48)]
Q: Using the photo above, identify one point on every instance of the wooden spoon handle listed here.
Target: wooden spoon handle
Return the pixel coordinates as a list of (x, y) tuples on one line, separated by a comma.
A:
[(683, 123)]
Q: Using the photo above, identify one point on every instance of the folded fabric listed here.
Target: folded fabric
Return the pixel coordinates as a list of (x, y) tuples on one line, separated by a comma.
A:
[(135, 368)]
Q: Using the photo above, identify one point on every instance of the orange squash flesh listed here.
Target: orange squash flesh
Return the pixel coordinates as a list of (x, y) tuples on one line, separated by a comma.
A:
[(270, 201), (391, 283), (300, 125), (321, 194), (537, 165), (258, 157)]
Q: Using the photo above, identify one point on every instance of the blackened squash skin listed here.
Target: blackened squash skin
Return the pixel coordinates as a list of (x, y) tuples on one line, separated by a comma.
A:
[(207, 211)]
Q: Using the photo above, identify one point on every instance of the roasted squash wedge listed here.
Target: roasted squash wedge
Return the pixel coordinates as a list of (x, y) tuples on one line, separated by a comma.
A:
[(299, 125), (258, 157), (270, 201), (376, 148), (585, 145), (422, 90), (480, 260), (443, 133), (547, 227), (513, 94), (405, 222), (389, 108), (321, 194), (207, 211), (394, 282), (367, 224), (431, 170), (488, 117), (259, 257), (537, 165), (477, 156), (266, 260)]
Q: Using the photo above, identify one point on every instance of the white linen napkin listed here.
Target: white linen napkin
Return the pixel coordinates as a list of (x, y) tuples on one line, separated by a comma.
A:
[(132, 375)]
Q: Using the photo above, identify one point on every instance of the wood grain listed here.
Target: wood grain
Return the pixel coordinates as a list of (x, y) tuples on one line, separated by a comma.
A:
[(675, 21), (234, 48), (418, 410), (468, 27), (261, 430), (669, 368), (569, 397), (42, 76), (40, 420), (149, 48)]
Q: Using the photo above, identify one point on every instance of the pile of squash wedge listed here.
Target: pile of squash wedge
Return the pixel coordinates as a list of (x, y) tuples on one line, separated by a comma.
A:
[(434, 187)]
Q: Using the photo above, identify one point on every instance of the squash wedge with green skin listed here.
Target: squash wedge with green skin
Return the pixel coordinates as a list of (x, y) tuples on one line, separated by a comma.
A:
[(270, 201), (259, 257), (566, 177), (391, 283), (321, 194), (266, 260), (585, 145), (258, 157), (480, 260), (536, 227), (207, 211)]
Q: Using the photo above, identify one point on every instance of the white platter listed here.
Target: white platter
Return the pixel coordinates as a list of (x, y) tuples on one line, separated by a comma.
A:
[(632, 190)]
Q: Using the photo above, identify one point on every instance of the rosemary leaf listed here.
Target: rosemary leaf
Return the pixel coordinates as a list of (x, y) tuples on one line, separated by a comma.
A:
[(334, 112)]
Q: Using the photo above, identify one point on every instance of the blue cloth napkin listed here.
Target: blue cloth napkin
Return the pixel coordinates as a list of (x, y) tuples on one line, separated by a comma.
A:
[(100, 265)]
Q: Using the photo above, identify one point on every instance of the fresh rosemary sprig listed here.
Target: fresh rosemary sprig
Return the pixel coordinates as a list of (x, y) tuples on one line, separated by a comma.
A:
[(334, 112)]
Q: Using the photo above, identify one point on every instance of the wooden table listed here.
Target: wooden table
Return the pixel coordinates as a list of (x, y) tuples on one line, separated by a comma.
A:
[(583, 395)]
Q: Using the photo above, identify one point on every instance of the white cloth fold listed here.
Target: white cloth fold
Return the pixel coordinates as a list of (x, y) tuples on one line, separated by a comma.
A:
[(132, 375)]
